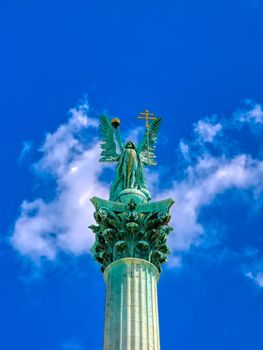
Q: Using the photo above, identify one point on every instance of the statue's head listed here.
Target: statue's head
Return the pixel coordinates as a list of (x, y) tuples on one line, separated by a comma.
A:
[(129, 144)]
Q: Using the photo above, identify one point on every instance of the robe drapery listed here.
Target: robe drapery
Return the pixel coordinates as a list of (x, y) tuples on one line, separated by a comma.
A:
[(129, 173)]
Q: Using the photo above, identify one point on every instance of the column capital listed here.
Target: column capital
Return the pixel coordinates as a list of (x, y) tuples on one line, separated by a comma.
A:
[(131, 230)]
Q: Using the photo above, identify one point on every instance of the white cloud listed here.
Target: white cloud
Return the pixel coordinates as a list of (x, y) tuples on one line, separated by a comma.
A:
[(257, 278), (209, 172), (184, 149), (45, 228), (205, 180), (254, 114), (206, 130)]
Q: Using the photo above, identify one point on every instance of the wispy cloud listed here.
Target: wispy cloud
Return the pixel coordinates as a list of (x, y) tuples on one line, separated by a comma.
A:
[(45, 227), (253, 269), (26, 148), (256, 277), (212, 163), (253, 114), (202, 183), (206, 130)]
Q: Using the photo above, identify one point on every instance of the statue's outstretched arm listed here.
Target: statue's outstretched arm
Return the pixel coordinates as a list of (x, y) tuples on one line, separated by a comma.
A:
[(118, 136)]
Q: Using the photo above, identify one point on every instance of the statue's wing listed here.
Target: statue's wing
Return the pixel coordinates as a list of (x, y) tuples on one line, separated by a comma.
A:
[(147, 146), (108, 145)]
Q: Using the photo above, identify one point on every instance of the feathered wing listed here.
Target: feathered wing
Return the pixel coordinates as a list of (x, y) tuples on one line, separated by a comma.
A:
[(108, 145), (147, 146)]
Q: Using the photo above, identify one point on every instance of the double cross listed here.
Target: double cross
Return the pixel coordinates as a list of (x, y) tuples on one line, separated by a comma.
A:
[(146, 115)]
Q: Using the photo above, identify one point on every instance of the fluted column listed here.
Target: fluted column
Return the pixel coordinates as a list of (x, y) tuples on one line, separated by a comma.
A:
[(131, 312)]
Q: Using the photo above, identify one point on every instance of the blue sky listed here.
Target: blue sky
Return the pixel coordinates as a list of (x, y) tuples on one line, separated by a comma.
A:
[(198, 64)]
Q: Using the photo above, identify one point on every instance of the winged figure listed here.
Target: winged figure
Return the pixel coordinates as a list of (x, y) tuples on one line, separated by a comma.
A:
[(131, 159)]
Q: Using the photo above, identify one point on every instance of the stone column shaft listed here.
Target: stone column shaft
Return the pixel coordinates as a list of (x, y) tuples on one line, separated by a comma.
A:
[(131, 312)]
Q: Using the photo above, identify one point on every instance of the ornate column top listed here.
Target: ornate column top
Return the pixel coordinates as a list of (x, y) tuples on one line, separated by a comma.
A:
[(131, 230), (129, 225)]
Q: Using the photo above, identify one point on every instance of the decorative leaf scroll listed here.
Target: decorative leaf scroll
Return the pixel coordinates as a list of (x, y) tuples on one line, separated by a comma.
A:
[(131, 234)]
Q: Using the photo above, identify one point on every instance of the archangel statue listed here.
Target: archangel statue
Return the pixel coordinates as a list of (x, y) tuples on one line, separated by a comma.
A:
[(129, 173)]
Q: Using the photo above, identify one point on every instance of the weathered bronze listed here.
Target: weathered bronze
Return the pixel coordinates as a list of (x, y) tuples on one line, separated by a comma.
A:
[(130, 240)]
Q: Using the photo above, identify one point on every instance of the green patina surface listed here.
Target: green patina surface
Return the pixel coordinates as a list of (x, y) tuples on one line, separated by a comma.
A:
[(130, 241), (131, 313), (129, 225), (130, 159), (131, 230)]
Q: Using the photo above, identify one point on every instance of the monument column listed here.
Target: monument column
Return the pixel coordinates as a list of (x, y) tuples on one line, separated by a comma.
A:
[(131, 311), (130, 241)]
